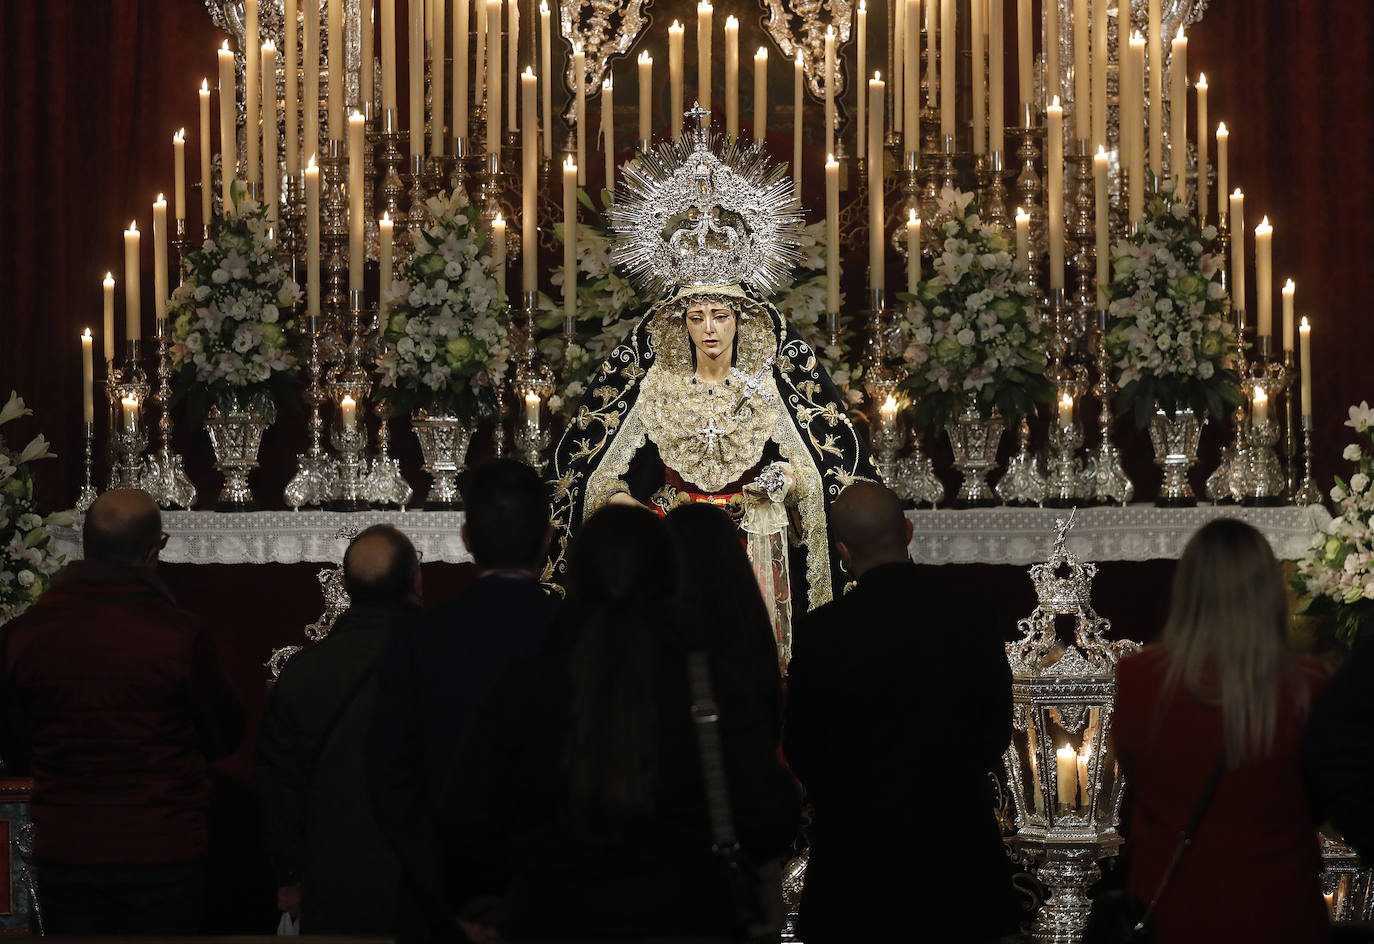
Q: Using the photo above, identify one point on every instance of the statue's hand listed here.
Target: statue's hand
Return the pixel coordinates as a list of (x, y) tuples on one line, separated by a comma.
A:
[(774, 482), (625, 498)]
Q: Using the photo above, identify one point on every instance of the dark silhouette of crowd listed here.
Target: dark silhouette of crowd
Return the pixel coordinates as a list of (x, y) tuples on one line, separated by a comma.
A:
[(624, 760)]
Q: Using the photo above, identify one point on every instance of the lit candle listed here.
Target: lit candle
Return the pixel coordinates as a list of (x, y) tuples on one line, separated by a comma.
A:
[(390, 109), (1136, 71), (1065, 410), (512, 61), (797, 79), (291, 103), (1104, 212), (911, 94), (1259, 407), (1022, 238), (829, 65), (569, 242), (1305, 364), (335, 62), (498, 250), (546, 76), (1054, 116), (460, 69), (130, 405), (271, 170), (348, 413), (1082, 72), (417, 81), (1066, 762), (997, 53), (436, 82), (310, 72), (1155, 37), (312, 243), (949, 57), (1264, 276), (356, 126), (251, 40), (1025, 60), (160, 262), (732, 76), (913, 252), (179, 172), (205, 195), (1237, 250), (608, 130), (107, 325), (832, 234), (1223, 169), (760, 95), (861, 39), (494, 81), (529, 212), (366, 58), (704, 14), (1288, 290), (385, 232), (646, 86), (889, 411), (978, 39), (87, 379), (1203, 159), (876, 227), (675, 77), (532, 411), (1178, 115), (580, 112), (228, 145), (132, 301), (1099, 73)]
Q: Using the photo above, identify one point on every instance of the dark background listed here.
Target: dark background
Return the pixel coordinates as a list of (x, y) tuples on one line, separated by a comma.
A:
[(93, 91)]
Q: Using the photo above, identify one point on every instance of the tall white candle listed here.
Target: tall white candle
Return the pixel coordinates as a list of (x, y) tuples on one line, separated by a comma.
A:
[(251, 41), (87, 379), (760, 95), (608, 130), (436, 82), (1022, 239), (310, 78), (228, 145), (1025, 54), (1264, 276), (494, 78), (529, 211), (978, 41), (830, 89), (1100, 54), (646, 85), (832, 235), (356, 125), (1054, 74), (997, 58), (1223, 169), (580, 112), (1082, 72), (385, 234), (1305, 364), (546, 77), (569, 241), (461, 32), (335, 61), (731, 76), (512, 62), (1288, 291), (675, 78), (913, 252), (312, 243), (911, 95), (291, 102), (1178, 115), (179, 172), (797, 80), (949, 57), (1103, 213), (367, 58), (1237, 250), (206, 196), (160, 262), (705, 12), (876, 228), (860, 95), (899, 33), (1203, 158), (932, 60), (107, 325), (1136, 70), (417, 80), (1155, 37), (390, 109), (1054, 163), (271, 170), (132, 300), (498, 250)]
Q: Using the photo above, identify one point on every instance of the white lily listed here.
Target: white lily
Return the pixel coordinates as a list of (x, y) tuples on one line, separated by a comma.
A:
[(35, 450), (14, 408)]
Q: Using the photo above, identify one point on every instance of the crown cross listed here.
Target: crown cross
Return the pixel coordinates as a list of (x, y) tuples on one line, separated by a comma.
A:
[(699, 115)]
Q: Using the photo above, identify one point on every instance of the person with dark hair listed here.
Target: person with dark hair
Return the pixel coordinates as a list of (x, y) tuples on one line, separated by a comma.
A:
[(584, 774), (436, 671), (112, 698), (1222, 689), (335, 871), (862, 731), (1338, 750)]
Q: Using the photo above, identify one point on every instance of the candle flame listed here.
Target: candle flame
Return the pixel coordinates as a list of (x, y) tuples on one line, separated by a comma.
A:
[(1290, 286), (310, 164), (569, 164), (676, 26), (130, 402), (830, 32), (348, 401), (646, 58), (544, 7), (269, 46), (830, 159), (1237, 194), (1180, 38), (761, 54), (1260, 395), (160, 199), (1065, 401), (528, 73), (86, 335), (704, 6), (205, 86), (386, 216), (863, 6), (109, 282), (1138, 37), (498, 220), (1055, 103), (877, 76), (890, 404), (1201, 80), (356, 116), (731, 22), (180, 137), (606, 85), (1021, 215), (1102, 151), (133, 226), (225, 47), (1221, 128), (911, 216), (1304, 326), (1264, 225)]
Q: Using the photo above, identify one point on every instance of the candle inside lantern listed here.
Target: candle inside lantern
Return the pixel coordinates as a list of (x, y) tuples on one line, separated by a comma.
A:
[(107, 325), (1305, 364), (348, 413), (1065, 410), (1288, 291), (1066, 767), (1037, 795), (1083, 757), (532, 402), (87, 379), (889, 412), (131, 410), (1259, 407), (132, 299)]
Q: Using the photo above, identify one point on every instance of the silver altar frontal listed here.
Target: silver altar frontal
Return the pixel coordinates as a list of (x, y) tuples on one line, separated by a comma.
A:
[(1061, 769)]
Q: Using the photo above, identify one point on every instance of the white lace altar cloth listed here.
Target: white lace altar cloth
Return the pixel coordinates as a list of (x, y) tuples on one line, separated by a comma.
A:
[(944, 536)]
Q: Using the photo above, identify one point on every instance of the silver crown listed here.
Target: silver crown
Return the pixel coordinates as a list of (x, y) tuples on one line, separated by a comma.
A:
[(700, 212)]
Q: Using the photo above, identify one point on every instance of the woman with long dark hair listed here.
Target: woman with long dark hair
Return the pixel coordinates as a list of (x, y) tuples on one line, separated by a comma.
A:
[(584, 775), (1222, 687)]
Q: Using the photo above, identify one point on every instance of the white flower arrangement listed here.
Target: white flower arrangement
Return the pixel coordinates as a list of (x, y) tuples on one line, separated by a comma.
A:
[(1337, 575), (27, 560), (973, 325), (231, 317), (1168, 328), (447, 348)]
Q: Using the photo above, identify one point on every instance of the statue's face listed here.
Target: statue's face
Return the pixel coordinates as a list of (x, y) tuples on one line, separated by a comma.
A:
[(711, 326)]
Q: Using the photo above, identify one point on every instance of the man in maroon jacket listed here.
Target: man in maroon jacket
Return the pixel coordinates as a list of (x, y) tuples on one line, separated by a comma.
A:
[(112, 698)]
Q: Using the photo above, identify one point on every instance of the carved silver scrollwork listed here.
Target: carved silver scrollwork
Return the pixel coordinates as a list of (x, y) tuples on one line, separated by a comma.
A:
[(801, 24), (602, 29)]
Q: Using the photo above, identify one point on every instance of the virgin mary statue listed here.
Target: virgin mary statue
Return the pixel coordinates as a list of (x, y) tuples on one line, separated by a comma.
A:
[(714, 397)]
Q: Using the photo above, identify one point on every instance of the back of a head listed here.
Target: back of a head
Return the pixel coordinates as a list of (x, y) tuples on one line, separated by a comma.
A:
[(868, 519), (379, 566), (507, 514), (717, 589), (621, 571), (121, 527), (1226, 634)]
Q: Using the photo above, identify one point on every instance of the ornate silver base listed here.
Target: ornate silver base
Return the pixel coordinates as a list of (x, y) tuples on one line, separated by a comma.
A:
[(384, 484), (974, 441), (1068, 870), (166, 480), (1263, 476), (235, 438), (1175, 442), (444, 442), (1224, 484), (1022, 484), (315, 481), (1064, 483), (1307, 493), (914, 479), (1104, 476), (530, 443)]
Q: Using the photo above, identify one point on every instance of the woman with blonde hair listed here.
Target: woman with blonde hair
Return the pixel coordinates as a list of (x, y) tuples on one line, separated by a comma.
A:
[(1221, 689)]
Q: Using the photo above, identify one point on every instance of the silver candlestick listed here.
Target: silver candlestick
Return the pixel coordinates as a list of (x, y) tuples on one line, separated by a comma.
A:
[(128, 433), (1307, 493), (86, 497), (314, 481), (1104, 470), (164, 477), (1022, 483), (1262, 475)]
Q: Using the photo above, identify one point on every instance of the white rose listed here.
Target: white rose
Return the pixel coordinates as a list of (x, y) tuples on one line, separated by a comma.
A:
[(1358, 481), (28, 522), (26, 578), (1352, 453)]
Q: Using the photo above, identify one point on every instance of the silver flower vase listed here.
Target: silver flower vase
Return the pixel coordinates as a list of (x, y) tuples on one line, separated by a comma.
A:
[(444, 442), (1174, 439), (235, 435), (974, 441)]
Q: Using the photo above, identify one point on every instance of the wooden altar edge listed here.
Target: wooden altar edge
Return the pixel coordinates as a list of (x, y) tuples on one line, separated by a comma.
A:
[(942, 536)]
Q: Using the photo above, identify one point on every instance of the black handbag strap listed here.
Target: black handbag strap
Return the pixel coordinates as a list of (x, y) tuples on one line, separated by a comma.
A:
[(351, 696), (706, 724), (1185, 838)]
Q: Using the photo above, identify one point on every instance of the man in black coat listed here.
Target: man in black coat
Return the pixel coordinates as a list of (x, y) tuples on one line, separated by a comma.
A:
[(899, 703), (437, 671), (334, 868), (1338, 750)]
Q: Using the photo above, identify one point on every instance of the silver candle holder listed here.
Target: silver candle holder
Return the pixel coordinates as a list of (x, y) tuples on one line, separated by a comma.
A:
[(128, 432), (1104, 472), (1022, 483), (533, 384), (86, 497), (1308, 493), (1262, 474), (315, 478), (165, 477)]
